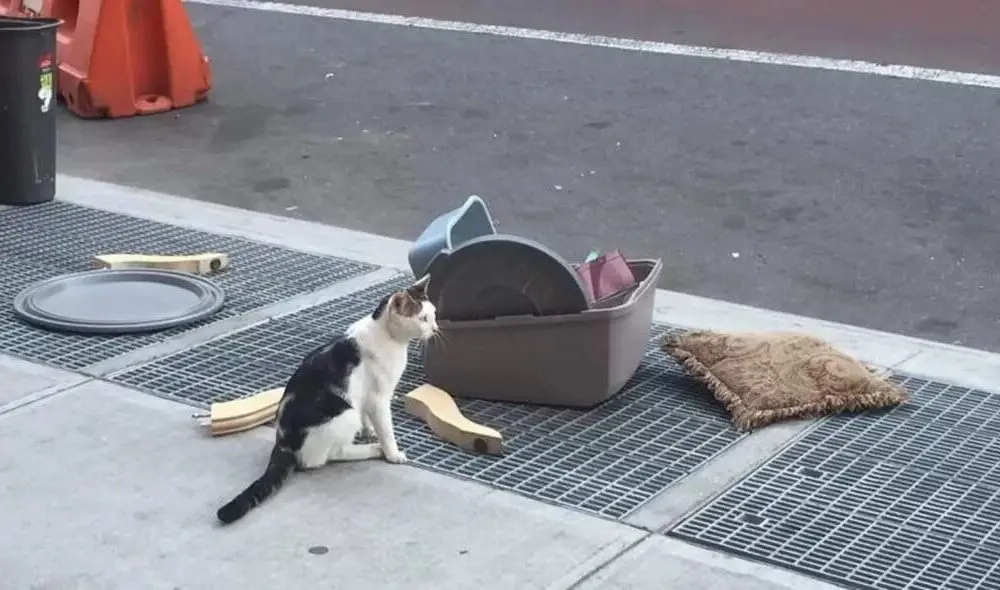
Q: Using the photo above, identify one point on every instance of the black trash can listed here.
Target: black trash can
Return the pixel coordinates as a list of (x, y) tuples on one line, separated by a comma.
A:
[(28, 72)]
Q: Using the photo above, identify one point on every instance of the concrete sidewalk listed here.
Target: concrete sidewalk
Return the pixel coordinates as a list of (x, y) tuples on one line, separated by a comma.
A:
[(107, 488), (104, 487)]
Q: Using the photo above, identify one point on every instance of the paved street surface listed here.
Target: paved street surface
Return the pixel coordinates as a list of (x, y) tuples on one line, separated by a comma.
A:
[(861, 199)]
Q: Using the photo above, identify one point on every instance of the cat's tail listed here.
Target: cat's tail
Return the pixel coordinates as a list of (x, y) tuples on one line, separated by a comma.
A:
[(279, 467)]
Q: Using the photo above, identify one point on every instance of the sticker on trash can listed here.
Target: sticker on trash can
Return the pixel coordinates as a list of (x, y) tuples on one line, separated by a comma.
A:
[(45, 82)]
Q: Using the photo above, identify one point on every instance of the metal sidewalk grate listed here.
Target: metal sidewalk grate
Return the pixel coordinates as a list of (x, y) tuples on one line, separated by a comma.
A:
[(903, 499), (54, 238), (251, 360), (607, 461)]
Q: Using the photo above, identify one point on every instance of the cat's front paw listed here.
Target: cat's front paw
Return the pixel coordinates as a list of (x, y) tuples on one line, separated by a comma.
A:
[(399, 457)]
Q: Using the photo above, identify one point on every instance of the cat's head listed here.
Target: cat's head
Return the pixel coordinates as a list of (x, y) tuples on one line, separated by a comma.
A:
[(408, 313)]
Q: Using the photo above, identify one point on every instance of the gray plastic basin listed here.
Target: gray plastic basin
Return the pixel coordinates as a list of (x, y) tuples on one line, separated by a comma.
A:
[(575, 360)]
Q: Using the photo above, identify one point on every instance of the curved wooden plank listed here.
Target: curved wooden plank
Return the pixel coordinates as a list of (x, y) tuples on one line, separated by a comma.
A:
[(200, 264), (242, 414), (438, 410)]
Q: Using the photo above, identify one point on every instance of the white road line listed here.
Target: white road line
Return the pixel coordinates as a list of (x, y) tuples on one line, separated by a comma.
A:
[(760, 57)]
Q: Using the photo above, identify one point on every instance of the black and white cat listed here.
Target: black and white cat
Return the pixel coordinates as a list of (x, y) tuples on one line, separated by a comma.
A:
[(341, 388)]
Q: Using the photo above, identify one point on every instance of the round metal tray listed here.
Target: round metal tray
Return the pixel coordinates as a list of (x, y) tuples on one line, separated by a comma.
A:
[(119, 301), (502, 275)]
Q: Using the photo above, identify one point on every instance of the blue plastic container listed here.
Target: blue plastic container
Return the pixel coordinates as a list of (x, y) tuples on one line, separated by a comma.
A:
[(455, 227)]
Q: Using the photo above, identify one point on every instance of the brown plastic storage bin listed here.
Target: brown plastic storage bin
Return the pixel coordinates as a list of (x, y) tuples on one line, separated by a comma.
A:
[(577, 360)]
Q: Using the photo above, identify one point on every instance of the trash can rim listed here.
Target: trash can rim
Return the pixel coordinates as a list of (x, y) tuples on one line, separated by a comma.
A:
[(27, 24)]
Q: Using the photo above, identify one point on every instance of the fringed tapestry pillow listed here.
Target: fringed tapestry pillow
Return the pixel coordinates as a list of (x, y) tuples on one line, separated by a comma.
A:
[(767, 377)]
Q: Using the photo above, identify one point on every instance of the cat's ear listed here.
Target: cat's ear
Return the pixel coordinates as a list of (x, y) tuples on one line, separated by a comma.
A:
[(418, 290)]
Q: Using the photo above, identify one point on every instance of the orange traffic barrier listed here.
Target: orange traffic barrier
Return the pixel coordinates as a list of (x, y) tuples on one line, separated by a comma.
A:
[(120, 58)]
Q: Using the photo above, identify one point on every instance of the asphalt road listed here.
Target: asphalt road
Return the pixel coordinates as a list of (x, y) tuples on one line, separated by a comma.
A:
[(866, 200)]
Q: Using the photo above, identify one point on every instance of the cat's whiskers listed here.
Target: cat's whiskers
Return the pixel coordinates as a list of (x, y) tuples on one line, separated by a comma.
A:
[(438, 338)]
